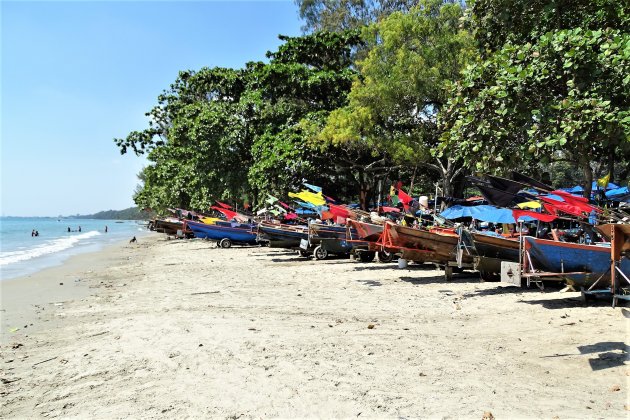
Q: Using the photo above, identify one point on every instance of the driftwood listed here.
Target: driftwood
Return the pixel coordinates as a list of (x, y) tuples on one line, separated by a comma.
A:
[(44, 361)]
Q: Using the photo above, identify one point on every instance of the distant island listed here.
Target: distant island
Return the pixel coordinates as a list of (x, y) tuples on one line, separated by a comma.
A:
[(132, 213)]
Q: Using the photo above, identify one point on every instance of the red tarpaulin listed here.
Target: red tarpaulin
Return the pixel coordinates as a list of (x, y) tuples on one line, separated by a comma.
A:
[(577, 201), (227, 213), (339, 211), (386, 209), (290, 216), (286, 206), (563, 206), (539, 216), (327, 215)]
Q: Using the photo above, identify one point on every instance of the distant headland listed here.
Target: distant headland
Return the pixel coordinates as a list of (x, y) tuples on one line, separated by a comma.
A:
[(132, 213)]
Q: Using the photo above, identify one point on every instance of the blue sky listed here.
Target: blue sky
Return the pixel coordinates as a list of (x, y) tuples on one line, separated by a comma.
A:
[(76, 75)]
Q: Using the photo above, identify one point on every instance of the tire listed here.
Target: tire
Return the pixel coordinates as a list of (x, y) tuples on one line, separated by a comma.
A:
[(367, 256), (320, 253), (304, 254), (385, 257), (225, 243)]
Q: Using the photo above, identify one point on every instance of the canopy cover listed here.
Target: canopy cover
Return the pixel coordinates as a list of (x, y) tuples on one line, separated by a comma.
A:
[(484, 213)]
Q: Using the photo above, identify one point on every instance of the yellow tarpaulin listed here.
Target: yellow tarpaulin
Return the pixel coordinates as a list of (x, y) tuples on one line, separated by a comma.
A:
[(309, 197), (529, 205)]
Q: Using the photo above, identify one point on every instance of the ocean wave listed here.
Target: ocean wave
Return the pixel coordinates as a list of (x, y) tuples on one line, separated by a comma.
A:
[(48, 247)]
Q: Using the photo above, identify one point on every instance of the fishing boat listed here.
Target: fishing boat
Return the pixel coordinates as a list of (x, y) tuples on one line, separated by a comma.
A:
[(420, 245), (369, 237), (170, 227), (578, 264), (225, 233), (488, 250), (281, 235)]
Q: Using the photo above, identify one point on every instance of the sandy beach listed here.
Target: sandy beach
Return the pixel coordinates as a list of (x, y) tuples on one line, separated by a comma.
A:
[(170, 329)]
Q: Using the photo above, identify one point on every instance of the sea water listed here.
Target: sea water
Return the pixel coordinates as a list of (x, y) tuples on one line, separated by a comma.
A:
[(23, 254)]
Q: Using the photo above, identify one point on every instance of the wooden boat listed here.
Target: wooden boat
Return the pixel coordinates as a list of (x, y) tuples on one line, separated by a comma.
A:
[(365, 231), (170, 227), (225, 233), (423, 245), (577, 264), (282, 236), (488, 252), (369, 236)]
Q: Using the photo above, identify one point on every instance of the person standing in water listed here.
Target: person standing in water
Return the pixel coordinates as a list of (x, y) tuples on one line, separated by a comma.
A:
[(33, 233), (68, 228), (105, 228), (79, 228)]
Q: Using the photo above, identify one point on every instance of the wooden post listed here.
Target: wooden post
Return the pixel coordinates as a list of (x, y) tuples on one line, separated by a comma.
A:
[(448, 272)]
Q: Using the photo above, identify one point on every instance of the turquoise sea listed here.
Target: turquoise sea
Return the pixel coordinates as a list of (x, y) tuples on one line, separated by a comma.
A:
[(23, 254)]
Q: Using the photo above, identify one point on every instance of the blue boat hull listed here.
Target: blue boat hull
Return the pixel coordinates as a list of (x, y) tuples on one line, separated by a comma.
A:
[(557, 257), (240, 234), (282, 238)]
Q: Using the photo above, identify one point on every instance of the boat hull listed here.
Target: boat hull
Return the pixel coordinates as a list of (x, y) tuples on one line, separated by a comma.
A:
[(422, 245), (489, 252), (240, 234), (586, 263), (280, 236)]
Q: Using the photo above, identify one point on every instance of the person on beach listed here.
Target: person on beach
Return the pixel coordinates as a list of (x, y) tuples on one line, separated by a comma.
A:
[(105, 228)]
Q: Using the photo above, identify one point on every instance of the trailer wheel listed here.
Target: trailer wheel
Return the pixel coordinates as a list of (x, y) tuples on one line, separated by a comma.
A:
[(320, 253), (385, 257), (225, 243), (367, 256), (303, 253)]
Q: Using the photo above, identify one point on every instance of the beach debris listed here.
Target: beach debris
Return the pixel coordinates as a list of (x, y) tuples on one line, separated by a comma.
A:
[(487, 415), (422, 374), (615, 388), (15, 346), (61, 284), (8, 381), (200, 345), (371, 327), (44, 361), (14, 329), (206, 293)]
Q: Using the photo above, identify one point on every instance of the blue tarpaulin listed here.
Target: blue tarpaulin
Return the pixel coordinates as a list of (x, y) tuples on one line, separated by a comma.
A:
[(619, 194), (484, 213)]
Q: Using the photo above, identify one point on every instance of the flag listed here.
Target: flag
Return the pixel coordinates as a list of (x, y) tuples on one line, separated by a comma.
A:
[(603, 181), (577, 201), (503, 184), (563, 206), (225, 206), (404, 197), (309, 197), (530, 181), (312, 187), (535, 215)]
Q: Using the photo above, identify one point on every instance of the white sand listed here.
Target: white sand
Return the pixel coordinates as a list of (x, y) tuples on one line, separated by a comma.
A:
[(179, 328)]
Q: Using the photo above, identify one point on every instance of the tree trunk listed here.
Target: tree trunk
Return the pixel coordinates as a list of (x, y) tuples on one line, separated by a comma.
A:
[(364, 191), (588, 178), (611, 163)]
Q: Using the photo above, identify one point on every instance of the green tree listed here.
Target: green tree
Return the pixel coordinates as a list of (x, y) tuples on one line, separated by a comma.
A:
[(391, 118), (565, 96), (341, 15)]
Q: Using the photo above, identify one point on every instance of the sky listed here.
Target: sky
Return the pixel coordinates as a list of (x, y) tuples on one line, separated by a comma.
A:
[(77, 74)]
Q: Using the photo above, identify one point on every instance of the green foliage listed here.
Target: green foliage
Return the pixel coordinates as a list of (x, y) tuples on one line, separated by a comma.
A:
[(221, 132), (495, 22), (403, 84), (341, 15), (567, 92)]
